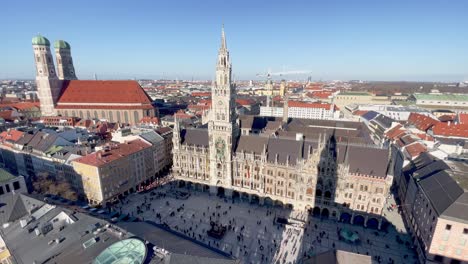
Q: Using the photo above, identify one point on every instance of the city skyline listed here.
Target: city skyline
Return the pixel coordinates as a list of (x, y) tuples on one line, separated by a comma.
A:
[(337, 40)]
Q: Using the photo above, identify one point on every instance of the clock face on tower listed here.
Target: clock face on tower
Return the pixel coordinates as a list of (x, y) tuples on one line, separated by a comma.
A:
[(220, 147)]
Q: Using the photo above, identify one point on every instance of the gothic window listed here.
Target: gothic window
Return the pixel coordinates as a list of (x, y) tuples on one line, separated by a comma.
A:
[(38, 58), (95, 114), (66, 113), (118, 117), (81, 114), (318, 193), (126, 116), (88, 115), (136, 116), (103, 114), (73, 113), (111, 116)]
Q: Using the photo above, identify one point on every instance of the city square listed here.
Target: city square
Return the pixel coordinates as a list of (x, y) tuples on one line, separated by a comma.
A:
[(252, 235)]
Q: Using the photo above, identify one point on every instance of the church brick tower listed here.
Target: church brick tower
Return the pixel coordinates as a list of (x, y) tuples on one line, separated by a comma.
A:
[(48, 85), (65, 68)]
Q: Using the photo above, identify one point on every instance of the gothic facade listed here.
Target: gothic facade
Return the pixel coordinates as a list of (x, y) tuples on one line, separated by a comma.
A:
[(328, 168)]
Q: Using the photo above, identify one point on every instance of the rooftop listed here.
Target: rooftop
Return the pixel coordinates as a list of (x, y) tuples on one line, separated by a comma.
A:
[(114, 93), (131, 251), (5, 176), (443, 97), (113, 153)]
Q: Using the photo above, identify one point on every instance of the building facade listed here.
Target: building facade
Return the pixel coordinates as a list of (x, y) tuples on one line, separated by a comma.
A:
[(303, 110), (321, 174), (117, 170)]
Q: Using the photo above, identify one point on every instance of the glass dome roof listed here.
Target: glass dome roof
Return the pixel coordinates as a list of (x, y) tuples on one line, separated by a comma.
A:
[(128, 251)]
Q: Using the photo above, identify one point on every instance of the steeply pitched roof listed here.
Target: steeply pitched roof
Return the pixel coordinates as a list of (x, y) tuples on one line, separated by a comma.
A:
[(441, 190), (102, 93), (370, 115), (286, 150), (195, 136), (368, 161), (421, 122), (251, 143), (458, 209), (119, 151), (451, 130)]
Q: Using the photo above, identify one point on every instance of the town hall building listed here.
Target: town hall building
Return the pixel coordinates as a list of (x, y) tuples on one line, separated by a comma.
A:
[(330, 168), (60, 93)]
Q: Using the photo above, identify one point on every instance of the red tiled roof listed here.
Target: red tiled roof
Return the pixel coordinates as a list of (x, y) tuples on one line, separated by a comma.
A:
[(451, 130), (421, 122), (309, 105), (130, 107), (114, 152), (395, 132), (7, 115), (182, 115), (321, 94), (103, 92), (205, 102), (26, 105), (425, 136), (463, 118), (12, 135), (360, 112), (149, 120), (446, 118), (201, 94), (245, 101), (415, 149)]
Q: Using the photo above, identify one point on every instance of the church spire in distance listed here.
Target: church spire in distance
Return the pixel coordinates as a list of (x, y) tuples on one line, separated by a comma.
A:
[(223, 39)]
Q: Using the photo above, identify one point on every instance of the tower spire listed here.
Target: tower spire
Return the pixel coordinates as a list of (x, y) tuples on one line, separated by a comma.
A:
[(223, 38)]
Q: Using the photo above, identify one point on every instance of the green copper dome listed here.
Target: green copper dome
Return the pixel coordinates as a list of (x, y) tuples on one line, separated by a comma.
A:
[(61, 44), (40, 40)]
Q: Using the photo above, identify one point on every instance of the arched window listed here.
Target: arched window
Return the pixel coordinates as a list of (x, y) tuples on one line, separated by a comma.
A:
[(136, 117), (126, 117), (81, 114), (95, 114), (88, 115), (118, 117), (103, 114), (318, 193), (111, 116), (73, 112), (66, 113)]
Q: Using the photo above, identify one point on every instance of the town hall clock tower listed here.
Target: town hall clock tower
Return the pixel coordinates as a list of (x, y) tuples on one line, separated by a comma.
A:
[(223, 129)]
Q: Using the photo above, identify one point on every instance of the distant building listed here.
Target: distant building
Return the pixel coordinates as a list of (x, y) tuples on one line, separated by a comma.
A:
[(343, 99), (115, 101), (303, 110), (456, 102)]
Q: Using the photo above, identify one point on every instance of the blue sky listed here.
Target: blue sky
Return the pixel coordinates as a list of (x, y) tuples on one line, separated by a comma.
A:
[(369, 40)]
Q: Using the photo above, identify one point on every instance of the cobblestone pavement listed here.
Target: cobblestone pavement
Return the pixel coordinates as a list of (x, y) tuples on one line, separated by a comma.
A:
[(254, 238)]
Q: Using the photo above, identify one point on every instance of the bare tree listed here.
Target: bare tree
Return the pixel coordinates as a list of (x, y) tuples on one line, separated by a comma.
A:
[(47, 184)]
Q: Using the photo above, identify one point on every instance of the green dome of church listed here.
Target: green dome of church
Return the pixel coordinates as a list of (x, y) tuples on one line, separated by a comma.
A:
[(40, 40), (61, 44)]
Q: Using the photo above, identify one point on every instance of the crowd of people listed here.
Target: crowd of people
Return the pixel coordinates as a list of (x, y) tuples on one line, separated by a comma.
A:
[(262, 240)]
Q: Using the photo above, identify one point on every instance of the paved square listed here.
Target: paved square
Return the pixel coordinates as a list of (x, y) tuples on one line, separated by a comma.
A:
[(254, 238)]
